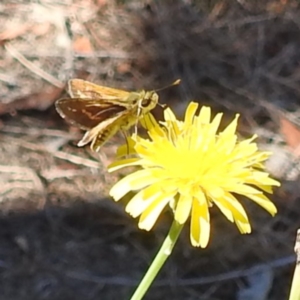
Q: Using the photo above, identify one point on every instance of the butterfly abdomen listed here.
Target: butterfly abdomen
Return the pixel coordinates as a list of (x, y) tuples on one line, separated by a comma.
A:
[(103, 137)]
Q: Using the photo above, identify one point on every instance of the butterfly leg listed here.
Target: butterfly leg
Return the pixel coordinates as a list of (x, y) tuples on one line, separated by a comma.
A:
[(139, 113), (126, 138)]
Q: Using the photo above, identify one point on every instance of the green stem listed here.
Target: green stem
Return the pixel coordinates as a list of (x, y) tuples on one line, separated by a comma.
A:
[(162, 255), (295, 288)]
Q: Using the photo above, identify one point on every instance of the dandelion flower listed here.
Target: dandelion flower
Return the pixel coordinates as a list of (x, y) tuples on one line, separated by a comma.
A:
[(190, 167)]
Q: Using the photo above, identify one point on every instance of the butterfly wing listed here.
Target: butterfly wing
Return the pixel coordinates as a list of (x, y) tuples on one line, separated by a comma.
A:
[(87, 113), (79, 88)]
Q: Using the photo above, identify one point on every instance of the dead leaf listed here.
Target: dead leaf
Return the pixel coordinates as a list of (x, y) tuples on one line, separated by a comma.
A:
[(291, 134), (82, 45)]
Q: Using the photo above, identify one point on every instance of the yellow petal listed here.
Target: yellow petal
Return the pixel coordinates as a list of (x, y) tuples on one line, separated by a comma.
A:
[(200, 223), (119, 164), (152, 212), (263, 179), (232, 208), (215, 124), (140, 202), (144, 198), (204, 116), (134, 181), (264, 202), (148, 121), (231, 128), (244, 227), (244, 189), (169, 115), (183, 208), (190, 113)]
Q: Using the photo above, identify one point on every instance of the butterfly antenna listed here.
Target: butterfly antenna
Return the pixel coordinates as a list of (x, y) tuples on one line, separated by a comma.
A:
[(176, 82)]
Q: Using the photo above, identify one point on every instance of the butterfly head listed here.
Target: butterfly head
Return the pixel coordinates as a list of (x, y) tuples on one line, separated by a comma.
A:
[(149, 101)]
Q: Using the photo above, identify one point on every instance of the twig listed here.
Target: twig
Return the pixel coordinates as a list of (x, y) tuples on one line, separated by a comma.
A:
[(58, 154), (233, 275), (37, 131), (21, 176), (32, 67)]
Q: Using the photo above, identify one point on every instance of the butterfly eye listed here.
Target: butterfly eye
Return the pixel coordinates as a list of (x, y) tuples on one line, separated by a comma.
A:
[(146, 102)]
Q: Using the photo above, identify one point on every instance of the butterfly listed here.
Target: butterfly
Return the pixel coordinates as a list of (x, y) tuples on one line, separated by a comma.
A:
[(103, 111)]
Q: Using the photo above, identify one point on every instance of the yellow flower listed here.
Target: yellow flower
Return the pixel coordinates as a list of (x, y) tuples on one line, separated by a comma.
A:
[(189, 166)]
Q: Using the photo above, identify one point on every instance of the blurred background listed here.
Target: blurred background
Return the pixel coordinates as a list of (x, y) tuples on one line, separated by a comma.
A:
[(61, 237)]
